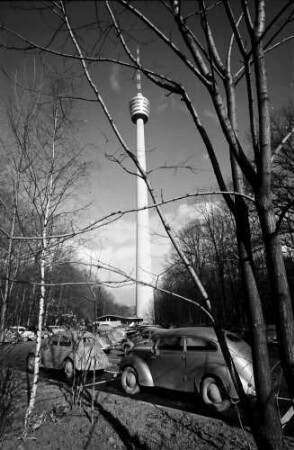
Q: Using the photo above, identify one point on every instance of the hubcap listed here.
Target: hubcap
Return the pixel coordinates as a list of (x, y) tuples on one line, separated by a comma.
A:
[(31, 363), (214, 393), (131, 380), (68, 369)]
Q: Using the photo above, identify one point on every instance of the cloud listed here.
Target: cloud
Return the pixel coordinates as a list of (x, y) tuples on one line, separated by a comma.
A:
[(114, 78), (171, 103), (116, 245), (211, 115)]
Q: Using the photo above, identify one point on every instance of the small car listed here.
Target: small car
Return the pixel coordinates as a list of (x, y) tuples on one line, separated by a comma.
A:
[(189, 360), (70, 351), (10, 337), (53, 329), (141, 335), (23, 333), (115, 335)]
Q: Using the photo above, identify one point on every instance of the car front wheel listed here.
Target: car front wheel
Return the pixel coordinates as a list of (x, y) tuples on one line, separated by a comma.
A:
[(129, 381), (31, 363), (68, 369), (213, 394)]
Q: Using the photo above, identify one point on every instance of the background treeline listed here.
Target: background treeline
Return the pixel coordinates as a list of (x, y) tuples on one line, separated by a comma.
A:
[(71, 291), (210, 244), (43, 169)]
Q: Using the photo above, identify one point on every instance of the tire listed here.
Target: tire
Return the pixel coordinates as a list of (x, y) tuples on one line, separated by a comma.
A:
[(214, 395), (68, 369), (31, 363), (129, 381)]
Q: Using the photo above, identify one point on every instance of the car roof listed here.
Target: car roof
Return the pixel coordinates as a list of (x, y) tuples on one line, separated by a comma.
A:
[(150, 328), (189, 331), (74, 334)]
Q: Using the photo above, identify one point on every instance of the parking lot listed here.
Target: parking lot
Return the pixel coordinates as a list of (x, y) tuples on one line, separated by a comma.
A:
[(16, 355)]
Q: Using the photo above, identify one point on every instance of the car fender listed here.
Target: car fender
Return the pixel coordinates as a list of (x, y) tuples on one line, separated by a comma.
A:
[(222, 374), (142, 369)]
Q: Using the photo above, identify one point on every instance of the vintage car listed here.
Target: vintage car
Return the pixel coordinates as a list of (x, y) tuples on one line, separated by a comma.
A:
[(141, 335), (70, 351), (53, 329), (114, 335), (23, 334), (189, 360)]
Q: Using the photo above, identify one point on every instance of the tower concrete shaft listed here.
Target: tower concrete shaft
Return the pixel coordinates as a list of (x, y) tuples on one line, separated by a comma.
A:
[(139, 108)]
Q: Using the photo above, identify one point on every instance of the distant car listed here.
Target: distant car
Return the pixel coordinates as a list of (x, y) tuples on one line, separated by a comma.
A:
[(53, 329), (68, 351), (140, 335), (10, 337), (189, 360), (115, 335), (45, 333), (23, 333)]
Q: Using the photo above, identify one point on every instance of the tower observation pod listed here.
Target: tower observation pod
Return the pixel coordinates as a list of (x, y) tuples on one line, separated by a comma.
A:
[(139, 109)]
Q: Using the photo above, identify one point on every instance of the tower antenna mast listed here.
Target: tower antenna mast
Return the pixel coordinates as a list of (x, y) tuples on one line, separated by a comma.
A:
[(140, 109)]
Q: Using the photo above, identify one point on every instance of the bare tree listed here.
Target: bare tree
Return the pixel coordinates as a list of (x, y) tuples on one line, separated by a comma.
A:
[(51, 168)]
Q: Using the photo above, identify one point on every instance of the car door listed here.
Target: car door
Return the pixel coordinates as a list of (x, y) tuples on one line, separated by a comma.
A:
[(49, 352), (200, 354), (63, 350), (167, 364)]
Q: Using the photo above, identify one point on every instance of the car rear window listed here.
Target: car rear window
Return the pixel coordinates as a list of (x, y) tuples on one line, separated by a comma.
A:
[(65, 341)]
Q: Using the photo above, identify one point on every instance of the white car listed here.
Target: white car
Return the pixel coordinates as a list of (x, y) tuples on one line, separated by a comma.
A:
[(23, 333)]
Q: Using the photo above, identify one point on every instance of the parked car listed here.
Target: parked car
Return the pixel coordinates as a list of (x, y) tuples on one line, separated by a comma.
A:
[(140, 335), (10, 337), (23, 334), (53, 329), (104, 342), (69, 351), (107, 333), (189, 360), (45, 333)]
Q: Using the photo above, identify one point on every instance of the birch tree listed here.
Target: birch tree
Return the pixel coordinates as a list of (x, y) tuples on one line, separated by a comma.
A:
[(42, 131)]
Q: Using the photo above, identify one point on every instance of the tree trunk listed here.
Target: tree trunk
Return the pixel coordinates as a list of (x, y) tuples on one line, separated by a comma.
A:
[(263, 416), (280, 289)]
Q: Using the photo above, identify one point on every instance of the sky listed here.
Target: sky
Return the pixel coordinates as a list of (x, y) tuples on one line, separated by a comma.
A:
[(171, 138)]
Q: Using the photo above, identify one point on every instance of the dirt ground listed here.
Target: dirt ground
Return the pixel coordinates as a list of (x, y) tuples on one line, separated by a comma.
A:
[(109, 421)]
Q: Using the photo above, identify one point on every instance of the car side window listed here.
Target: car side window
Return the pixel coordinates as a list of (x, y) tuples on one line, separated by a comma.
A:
[(200, 344), (170, 343), (65, 341)]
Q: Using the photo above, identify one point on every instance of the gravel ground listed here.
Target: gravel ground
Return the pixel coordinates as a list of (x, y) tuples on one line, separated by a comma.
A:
[(108, 420)]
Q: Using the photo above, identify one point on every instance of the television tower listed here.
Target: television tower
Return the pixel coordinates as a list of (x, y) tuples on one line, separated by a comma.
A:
[(139, 109)]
